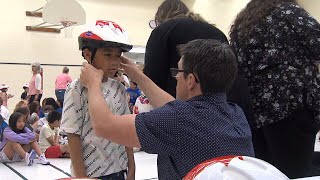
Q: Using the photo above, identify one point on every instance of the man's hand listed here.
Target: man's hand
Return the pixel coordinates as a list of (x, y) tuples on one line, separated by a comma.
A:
[(130, 68), (90, 76)]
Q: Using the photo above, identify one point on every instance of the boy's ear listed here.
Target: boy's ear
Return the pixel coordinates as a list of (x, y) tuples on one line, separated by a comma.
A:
[(87, 55)]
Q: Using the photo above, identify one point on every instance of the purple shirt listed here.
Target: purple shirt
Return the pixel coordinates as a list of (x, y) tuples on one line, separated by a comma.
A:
[(23, 138)]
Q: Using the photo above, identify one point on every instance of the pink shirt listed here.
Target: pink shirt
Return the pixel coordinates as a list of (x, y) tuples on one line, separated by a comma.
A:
[(35, 84), (62, 81)]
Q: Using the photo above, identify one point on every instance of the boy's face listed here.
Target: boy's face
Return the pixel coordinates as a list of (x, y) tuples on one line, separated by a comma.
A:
[(132, 85), (106, 59)]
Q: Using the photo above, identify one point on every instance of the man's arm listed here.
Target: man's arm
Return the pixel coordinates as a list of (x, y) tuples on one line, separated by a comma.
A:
[(131, 164), (74, 143), (155, 94), (118, 129)]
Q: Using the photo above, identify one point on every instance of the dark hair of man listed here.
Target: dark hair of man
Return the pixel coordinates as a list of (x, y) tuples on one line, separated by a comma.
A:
[(54, 116), (212, 61)]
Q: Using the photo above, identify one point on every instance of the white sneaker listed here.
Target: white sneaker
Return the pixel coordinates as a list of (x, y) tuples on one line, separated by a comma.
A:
[(30, 157), (43, 160)]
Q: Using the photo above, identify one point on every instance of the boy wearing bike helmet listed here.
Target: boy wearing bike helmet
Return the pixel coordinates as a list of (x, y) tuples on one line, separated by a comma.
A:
[(91, 156)]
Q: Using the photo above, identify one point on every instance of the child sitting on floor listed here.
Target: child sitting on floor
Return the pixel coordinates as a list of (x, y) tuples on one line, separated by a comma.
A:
[(49, 137), (17, 141)]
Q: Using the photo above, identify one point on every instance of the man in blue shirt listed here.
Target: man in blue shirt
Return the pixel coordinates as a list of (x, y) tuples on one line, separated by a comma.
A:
[(198, 126)]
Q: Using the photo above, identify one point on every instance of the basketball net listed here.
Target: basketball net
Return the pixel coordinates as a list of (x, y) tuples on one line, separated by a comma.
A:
[(68, 28)]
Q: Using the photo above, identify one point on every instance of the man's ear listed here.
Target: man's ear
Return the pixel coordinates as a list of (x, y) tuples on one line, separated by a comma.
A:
[(87, 55), (191, 81)]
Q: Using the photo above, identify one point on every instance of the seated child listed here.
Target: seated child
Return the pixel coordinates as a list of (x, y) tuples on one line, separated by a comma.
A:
[(43, 121), (26, 114), (18, 140), (49, 137)]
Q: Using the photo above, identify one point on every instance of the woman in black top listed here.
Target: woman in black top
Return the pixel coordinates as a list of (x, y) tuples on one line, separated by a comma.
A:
[(176, 25), (277, 44)]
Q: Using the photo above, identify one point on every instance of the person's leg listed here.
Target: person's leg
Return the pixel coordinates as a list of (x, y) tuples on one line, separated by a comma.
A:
[(39, 98), (57, 94), (35, 146), (31, 99), (11, 148), (291, 144), (60, 94), (260, 147)]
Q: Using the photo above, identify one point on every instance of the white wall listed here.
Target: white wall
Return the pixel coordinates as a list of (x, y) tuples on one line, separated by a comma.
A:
[(21, 46)]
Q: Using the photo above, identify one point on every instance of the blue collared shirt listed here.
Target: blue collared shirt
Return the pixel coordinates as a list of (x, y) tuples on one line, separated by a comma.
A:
[(186, 133)]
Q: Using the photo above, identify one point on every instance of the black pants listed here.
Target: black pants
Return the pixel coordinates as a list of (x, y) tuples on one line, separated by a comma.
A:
[(115, 176), (287, 144), (33, 96)]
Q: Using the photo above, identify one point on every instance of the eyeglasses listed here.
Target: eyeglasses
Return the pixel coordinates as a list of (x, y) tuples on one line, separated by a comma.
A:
[(175, 71)]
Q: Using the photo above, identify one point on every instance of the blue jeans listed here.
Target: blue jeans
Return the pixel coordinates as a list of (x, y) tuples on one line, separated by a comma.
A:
[(60, 94)]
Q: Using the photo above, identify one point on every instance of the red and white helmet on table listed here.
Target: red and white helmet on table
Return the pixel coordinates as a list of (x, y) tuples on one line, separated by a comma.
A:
[(235, 168)]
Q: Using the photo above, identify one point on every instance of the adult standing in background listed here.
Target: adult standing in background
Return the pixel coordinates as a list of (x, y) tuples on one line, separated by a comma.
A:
[(35, 84), (61, 83), (4, 95), (176, 25), (277, 43)]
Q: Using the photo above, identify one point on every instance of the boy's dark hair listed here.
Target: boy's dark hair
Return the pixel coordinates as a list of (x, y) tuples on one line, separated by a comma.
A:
[(134, 83), (24, 110), (13, 121), (52, 102), (34, 107), (54, 116), (48, 108), (212, 61)]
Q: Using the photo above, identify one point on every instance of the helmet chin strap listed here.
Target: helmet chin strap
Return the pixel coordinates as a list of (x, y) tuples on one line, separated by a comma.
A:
[(93, 54)]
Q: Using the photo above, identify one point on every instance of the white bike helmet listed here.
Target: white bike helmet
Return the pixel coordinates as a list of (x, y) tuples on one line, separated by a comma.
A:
[(235, 168), (104, 34)]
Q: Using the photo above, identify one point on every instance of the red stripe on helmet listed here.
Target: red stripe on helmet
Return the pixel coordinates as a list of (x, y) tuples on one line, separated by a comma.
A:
[(90, 35)]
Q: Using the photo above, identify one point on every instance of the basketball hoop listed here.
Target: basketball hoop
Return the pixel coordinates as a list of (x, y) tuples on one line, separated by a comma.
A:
[(68, 13), (68, 28)]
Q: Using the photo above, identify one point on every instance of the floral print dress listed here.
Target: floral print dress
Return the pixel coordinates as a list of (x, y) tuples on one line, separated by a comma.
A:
[(278, 59)]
